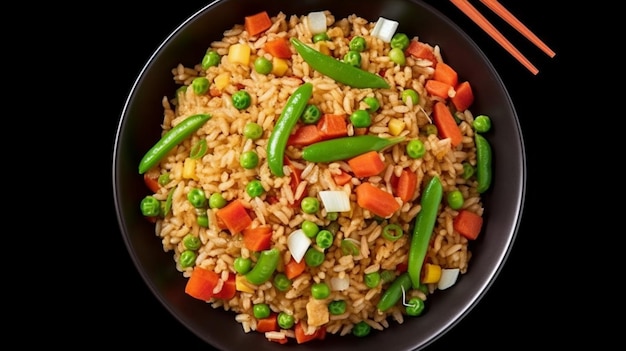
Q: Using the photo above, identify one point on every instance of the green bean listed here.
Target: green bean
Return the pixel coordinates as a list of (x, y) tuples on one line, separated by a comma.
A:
[(423, 229), (288, 118), (264, 267), (172, 138), (343, 148), (339, 71), (167, 204), (392, 295), (483, 163)]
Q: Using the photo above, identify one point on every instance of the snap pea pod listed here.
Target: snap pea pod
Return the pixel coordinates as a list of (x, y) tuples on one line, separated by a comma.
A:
[(264, 267), (170, 139), (483, 163), (394, 292), (284, 125), (423, 229), (340, 71), (347, 147)]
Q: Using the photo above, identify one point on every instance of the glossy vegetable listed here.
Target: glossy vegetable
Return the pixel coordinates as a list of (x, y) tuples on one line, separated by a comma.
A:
[(361, 118), (234, 216), (311, 114), (339, 149), (446, 74), (392, 232), (201, 283), (400, 41), (337, 307), (446, 125), (314, 257), (294, 268), (241, 99), (242, 265), (332, 126), (257, 23), (414, 307), (257, 238), (249, 159), (301, 337), (423, 229), (438, 89), (376, 200), (367, 164), (358, 44), (483, 163), (468, 224), (482, 123), (320, 290), (173, 137), (392, 295), (298, 242), (384, 29), (415, 148), (285, 320), (262, 65), (216, 200), (187, 258), (338, 70), (268, 324), (455, 199), (281, 282), (288, 118), (324, 239), (407, 94), (264, 267), (361, 329), (317, 22), (335, 200), (310, 204), (200, 85), (261, 310), (448, 278), (198, 149), (278, 47), (255, 188), (407, 184), (353, 58), (211, 59), (372, 280), (464, 96), (150, 206), (196, 197), (421, 50), (191, 242), (252, 130)]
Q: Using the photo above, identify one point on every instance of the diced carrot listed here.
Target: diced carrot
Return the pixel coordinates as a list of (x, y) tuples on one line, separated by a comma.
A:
[(464, 96), (268, 324), (468, 224), (446, 74), (361, 130), (342, 178), (278, 47), (257, 23), (332, 126), (367, 164), (376, 200), (421, 50), (258, 238), (294, 268), (235, 216), (201, 283), (446, 125), (301, 337), (294, 181), (151, 182), (305, 135), (228, 289), (407, 183), (437, 88)]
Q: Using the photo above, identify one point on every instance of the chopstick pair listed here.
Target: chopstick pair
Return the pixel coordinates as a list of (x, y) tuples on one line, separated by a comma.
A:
[(470, 11)]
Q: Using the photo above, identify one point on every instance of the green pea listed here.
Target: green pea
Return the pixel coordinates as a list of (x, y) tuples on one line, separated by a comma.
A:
[(482, 124), (187, 258), (324, 239), (255, 188), (361, 329), (217, 200), (371, 280), (252, 130), (410, 94), (400, 41), (210, 59), (262, 65), (310, 205), (261, 310), (455, 199), (203, 220), (357, 44), (281, 282), (242, 265), (285, 320), (163, 179), (313, 257), (310, 228), (191, 242), (372, 103), (332, 216), (360, 119), (150, 206), (396, 55), (415, 307), (321, 37), (249, 159), (200, 85), (311, 114), (320, 290), (415, 148), (197, 198), (431, 129), (468, 170), (241, 99), (337, 307), (353, 58), (181, 90)]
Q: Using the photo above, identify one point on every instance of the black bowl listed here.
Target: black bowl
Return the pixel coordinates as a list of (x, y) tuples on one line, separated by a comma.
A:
[(139, 128)]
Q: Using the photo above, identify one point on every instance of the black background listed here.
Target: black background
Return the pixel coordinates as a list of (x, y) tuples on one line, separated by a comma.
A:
[(517, 311)]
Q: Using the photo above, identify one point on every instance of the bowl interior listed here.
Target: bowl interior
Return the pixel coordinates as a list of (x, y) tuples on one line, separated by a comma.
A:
[(139, 128)]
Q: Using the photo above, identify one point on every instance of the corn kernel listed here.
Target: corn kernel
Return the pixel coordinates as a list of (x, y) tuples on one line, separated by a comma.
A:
[(222, 80), (323, 48), (279, 66), (432, 273), (189, 169), (241, 284), (396, 126), (239, 53)]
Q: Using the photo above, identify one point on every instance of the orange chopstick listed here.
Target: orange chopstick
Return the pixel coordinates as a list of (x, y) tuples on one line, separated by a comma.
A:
[(471, 12), (506, 15)]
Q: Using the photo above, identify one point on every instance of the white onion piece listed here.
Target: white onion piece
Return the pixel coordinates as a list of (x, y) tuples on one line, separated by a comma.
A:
[(339, 284), (384, 29), (317, 22), (298, 243), (448, 278), (335, 200)]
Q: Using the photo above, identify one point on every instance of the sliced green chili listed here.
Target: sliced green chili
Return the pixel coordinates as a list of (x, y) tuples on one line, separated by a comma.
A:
[(198, 150), (423, 229), (392, 232), (346, 147), (288, 118), (264, 267), (392, 295), (167, 206), (340, 71), (483, 163), (350, 246)]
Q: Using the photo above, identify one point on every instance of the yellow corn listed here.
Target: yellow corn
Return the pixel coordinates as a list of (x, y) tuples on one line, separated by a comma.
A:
[(396, 126), (432, 273), (222, 80), (279, 66), (189, 169), (241, 284), (323, 48), (239, 53)]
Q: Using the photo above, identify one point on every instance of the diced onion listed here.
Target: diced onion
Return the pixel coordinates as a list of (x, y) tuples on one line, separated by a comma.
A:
[(317, 22), (298, 243), (339, 284), (384, 29), (335, 200), (448, 278)]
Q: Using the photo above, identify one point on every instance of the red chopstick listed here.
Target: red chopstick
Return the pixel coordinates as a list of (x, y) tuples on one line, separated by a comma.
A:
[(506, 15), (470, 11)]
